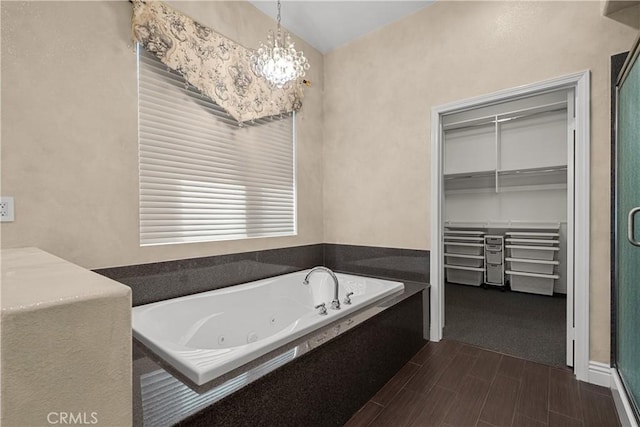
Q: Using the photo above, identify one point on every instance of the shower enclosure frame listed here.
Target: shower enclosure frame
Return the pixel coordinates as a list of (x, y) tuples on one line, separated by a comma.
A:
[(620, 387)]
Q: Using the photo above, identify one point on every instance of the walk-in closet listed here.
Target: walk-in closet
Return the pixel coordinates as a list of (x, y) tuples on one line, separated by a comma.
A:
[(505, 207)]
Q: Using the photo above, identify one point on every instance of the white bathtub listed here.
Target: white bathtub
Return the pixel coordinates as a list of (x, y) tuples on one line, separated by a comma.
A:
[(209, 334)]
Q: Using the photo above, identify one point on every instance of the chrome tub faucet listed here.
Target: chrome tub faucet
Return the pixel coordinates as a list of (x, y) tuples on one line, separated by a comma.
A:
[(335, 304)]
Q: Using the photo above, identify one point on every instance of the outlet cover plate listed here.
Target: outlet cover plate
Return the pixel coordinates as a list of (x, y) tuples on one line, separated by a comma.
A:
[(6, 209)]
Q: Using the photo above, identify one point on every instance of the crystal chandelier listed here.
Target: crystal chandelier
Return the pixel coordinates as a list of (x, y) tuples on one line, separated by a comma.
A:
[(278, 61)]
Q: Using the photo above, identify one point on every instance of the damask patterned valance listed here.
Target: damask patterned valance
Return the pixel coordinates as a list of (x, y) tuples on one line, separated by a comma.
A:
[(220, 68)]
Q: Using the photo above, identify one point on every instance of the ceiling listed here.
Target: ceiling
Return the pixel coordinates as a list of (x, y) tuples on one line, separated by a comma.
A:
[(326, 24)]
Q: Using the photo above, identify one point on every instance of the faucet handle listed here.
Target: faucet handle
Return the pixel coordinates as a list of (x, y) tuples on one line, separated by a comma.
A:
[(323, 309), (347, 300)]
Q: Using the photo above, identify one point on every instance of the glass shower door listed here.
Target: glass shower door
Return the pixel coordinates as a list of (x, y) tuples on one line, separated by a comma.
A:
[(627, 266)]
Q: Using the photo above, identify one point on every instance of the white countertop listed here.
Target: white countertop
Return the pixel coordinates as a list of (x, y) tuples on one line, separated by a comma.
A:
[(32, 279)]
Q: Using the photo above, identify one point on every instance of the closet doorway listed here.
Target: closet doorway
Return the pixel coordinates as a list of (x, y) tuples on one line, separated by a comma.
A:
[(510, 202)]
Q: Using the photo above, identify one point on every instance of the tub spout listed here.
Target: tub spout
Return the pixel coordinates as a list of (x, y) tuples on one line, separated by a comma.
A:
[(335, 304)]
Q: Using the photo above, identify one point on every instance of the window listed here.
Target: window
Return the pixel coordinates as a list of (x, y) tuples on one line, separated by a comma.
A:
[(203, 177)]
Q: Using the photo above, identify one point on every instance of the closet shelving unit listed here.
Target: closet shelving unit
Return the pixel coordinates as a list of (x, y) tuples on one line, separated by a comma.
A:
[(524, 251), (464, 255), (497, 167), (533, 260), (538, 178), (511, 161)]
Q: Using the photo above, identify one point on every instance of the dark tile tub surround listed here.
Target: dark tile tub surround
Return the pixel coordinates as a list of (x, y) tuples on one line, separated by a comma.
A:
[(325, 386), (171, 279), (392, 263)]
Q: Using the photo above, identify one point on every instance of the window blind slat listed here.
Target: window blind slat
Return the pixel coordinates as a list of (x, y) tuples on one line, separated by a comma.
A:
[(197, 210), (219, 230), (206, 189), (190, 156), (174, 140), (171, 207), (181, 172), (231, 217), (203, 177), (159, 200), (157, 126), (159, 226), (154, 239)]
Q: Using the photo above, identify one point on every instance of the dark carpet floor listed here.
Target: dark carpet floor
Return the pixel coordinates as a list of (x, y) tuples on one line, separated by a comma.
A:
[(528, 326)]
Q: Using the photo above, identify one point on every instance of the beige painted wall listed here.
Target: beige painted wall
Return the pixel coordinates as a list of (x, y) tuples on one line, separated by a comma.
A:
[(379, 92), (69, 131)]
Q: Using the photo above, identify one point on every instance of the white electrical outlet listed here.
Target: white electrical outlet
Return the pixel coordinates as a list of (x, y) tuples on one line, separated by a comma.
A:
[(6, 209)]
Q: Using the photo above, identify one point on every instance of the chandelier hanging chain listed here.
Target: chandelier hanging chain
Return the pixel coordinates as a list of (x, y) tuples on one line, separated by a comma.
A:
[(279, 13)]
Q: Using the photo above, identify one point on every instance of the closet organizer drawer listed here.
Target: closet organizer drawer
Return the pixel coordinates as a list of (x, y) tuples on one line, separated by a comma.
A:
[(464, 260), (532, 265), (541, 284), (494, 273), (494, 257), (462, 239), (464, 275), (533, 252), (463, 248), (497, 241), (533, 242)]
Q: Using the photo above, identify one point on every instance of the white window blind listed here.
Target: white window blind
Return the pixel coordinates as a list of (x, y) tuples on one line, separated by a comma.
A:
[(202, 177)]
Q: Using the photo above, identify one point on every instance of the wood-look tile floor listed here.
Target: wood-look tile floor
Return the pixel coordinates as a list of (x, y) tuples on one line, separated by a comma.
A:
[(451, 384)]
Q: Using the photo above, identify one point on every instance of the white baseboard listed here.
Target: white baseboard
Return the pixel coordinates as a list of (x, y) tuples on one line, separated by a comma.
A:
[(603, 375), (600, 374), (620, 398)]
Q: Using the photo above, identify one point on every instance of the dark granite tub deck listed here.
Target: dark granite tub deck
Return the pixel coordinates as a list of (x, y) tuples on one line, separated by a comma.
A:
[(320, 379)]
